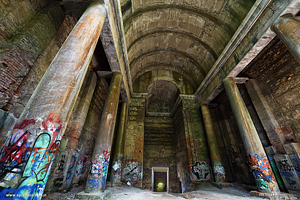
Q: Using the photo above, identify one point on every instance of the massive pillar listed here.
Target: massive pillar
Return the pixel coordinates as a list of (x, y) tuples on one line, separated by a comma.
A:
[(119, 146), (287, 28), (100, 160), (27, 157), (63, 171), (257, 157), (219, 172)]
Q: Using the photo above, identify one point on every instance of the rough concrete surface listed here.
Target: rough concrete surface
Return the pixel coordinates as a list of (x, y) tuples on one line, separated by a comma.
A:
[(206, 191)]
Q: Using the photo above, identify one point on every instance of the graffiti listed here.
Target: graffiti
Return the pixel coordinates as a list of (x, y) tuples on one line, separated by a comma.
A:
[(200, 171), (100, 162), (70, 170), (26, 162), (276, 173), (287, 172), (117, 166), (262, 172), (60, 165), (100, 167), (296, 163), (25, 123), (219, 172), (93, 183), (283, 165), (52, 123), (81, 166), (58, 182), (261, 184), (132, 172)]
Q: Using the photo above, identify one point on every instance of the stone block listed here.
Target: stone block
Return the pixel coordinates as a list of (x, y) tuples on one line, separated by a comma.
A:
[(287, 171)]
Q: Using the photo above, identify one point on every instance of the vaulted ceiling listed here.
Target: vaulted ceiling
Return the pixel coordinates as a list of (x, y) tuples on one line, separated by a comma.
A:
[(178, 40)]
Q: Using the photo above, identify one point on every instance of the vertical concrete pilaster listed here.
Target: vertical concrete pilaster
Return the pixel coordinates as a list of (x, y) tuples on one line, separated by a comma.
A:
[(257, 158), (287, 28), (219, 172), (96, 181), (37, 136), (119, 147)]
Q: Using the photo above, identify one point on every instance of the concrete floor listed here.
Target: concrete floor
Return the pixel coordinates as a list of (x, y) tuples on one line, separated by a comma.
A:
[(205, 192)]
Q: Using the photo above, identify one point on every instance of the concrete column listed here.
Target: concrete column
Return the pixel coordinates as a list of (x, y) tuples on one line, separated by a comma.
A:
[(266, 116), (219, 172), (287, 28), (100, 160), (26, 160), (63, 171), (119, 147), (257, 158)]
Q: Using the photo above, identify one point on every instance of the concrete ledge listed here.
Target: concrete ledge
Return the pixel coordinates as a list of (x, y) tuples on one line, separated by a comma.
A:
[(91, 196), (273, 196)]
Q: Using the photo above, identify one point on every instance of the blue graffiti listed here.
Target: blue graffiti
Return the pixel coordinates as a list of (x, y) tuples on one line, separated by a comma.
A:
[(93, 183), (296, 163), (70, 170)]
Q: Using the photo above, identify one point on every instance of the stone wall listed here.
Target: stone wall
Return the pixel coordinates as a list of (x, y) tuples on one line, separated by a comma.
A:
[(27, 33), (199, 158), (279, 80), (159, 150), (134, 143)]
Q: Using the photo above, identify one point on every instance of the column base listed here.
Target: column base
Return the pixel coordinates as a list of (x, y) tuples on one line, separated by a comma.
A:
[(96, 195), (279, 196)]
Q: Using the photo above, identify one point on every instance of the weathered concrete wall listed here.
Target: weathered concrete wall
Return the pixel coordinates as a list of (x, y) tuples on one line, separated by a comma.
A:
[(134, 143), (26, 33), (159, 150)]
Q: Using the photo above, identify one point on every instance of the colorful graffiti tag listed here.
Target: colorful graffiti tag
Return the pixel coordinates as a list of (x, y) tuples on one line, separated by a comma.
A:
[(200, 171), (262, 172), (70, 170), (81, 166), (132, 172), (24, 124), (26, 159), (99, 170)]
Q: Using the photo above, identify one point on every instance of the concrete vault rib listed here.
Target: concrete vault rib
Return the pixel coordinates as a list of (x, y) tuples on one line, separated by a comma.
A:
[(227, 29), (166, 67), (173, 51), (186, 34)]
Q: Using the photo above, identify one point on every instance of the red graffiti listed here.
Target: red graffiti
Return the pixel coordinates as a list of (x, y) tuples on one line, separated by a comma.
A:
[(49, 153), (16, 150), (25, 123), (52, 123)]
